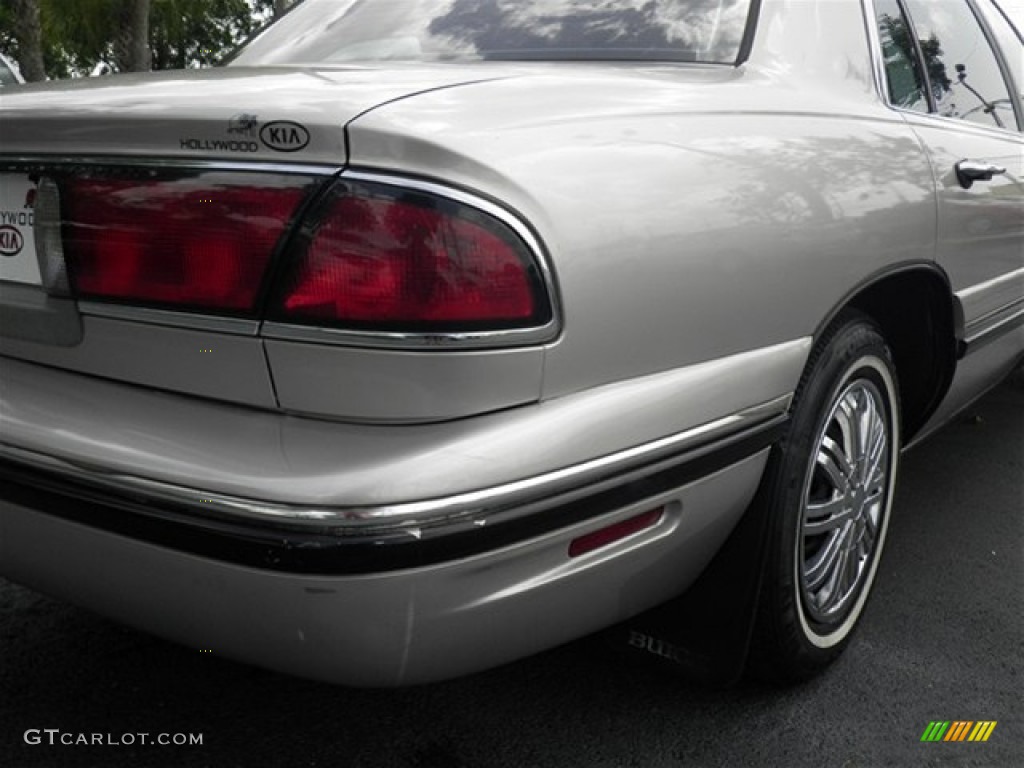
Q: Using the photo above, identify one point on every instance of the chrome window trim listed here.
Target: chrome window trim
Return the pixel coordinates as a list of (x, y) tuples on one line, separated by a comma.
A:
[(487, 506), (878, 61), (875, 52), (512, 337), (882, 81), (1009, 77)]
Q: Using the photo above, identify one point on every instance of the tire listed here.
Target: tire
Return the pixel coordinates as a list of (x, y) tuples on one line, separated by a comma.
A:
[(829, 495)]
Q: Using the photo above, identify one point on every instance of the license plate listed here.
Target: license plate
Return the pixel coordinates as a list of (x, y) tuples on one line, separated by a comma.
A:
[(18, 262)]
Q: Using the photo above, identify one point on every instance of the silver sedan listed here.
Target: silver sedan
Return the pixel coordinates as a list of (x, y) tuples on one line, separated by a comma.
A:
[(425, 336)]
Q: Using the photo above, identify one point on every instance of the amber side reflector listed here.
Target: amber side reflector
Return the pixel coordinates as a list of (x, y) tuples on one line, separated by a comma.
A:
[(605, 536)]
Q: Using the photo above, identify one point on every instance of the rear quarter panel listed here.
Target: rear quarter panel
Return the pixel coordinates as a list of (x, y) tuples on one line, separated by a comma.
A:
[(689, 213)]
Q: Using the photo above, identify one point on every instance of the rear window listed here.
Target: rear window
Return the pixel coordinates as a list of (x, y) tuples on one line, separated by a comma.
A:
[(329, 31)]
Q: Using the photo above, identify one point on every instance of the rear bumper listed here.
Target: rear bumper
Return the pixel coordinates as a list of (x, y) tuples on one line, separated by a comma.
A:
[(292, 544), (405, 626)]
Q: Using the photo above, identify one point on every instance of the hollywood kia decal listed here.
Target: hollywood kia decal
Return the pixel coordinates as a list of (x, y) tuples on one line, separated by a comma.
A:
[(284, 136)]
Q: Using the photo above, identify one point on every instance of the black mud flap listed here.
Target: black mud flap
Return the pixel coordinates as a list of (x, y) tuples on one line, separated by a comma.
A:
[(704, 634)]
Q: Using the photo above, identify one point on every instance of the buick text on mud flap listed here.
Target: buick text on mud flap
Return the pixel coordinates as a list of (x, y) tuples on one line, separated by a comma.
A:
[(657, 646)]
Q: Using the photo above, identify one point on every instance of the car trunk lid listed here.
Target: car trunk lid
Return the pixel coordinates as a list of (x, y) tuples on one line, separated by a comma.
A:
[(238, 113)]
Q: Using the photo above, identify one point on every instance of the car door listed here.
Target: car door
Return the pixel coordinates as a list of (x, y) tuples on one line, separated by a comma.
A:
[(961, 95)]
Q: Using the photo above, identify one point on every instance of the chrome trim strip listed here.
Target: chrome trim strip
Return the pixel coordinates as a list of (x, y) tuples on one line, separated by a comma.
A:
[(482, 507), (514, 337), (1005, 325), (995, 317), (998, 282), (170, 318), (875, 51), (420, 341), (15, 162), (990, 326)]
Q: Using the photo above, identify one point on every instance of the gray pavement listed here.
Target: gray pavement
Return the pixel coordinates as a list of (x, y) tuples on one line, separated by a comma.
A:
[(943, 639)]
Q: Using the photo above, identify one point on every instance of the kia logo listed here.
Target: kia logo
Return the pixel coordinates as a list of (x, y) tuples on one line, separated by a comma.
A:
[(11, 241), (284, 136)]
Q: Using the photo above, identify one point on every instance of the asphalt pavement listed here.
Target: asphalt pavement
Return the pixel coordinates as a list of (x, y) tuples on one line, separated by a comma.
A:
[(942, 639)]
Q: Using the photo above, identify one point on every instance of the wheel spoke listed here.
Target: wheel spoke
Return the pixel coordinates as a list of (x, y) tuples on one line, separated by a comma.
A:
[(836, 466), (866, 545), (875, 488), (871, 523), (822, 565), (836, 575), (860, 423), (825, 516), (877, 450), (851, 569), (846, 421)]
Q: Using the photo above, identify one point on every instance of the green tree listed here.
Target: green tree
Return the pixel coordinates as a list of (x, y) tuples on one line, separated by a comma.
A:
[(199, 32), (26, 30), (129, 35), (131, 46)]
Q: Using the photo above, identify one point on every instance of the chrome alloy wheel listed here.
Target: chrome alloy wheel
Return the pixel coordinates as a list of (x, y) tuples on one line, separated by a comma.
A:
[(828, 497), (845, 500)]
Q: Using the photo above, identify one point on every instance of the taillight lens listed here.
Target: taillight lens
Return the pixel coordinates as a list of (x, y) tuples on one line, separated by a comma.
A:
[(385, 258), (202, 241), (368, 256)]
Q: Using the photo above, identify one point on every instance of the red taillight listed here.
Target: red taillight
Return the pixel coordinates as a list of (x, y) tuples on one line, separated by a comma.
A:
[(200, 241), (386, 259), (368, 256)]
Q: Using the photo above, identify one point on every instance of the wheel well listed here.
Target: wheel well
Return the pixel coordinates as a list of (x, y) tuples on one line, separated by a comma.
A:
[(915, 312)]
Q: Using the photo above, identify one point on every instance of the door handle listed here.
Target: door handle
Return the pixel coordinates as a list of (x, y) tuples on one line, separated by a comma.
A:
[(970, 171)]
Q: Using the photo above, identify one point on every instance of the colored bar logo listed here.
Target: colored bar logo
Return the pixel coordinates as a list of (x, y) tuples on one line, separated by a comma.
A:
[(958, 730)]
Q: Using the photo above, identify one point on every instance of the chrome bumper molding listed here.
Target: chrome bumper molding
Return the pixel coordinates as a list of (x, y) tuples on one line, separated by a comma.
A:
[(469, 510)]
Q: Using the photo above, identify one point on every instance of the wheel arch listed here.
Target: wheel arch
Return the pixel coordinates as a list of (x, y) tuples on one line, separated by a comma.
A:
[(917, 313)]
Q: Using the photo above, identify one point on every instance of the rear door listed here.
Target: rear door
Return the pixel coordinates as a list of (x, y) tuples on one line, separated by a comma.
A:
[(970, 122)]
